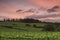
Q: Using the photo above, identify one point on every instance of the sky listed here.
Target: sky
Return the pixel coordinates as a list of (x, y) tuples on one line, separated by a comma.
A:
[(44, 10)]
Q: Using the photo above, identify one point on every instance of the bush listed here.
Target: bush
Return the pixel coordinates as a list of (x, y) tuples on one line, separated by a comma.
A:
[(7, 26), (34, 25), (37, 26), (50, 28), (13, 24), (28, 25), (0, 37)]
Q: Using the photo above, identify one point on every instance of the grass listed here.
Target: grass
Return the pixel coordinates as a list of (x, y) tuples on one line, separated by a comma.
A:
[(22, 32)]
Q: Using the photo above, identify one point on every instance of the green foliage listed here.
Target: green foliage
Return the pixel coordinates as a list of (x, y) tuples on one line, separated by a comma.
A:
[(50, 28), (27, 25), (29, 31), (35, 26)]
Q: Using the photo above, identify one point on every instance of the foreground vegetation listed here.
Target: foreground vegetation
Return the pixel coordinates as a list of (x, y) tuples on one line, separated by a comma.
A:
[(29, 31)]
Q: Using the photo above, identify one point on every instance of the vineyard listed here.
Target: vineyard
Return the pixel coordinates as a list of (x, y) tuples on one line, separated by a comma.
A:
[(26, 31)]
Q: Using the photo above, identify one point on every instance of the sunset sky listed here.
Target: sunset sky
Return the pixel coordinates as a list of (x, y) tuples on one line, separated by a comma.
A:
[(44, 10)]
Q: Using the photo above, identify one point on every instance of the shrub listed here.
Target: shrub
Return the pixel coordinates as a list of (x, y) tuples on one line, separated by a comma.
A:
[(28, 25), (0, 37), (13, 24), (50, 28), (7, 26), (34, 25), (37, 26)]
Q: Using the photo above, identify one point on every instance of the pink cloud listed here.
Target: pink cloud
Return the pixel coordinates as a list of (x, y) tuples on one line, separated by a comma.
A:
[(46, 3)]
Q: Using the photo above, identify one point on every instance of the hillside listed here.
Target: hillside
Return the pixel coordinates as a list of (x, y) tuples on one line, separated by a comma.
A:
[(32, 31)]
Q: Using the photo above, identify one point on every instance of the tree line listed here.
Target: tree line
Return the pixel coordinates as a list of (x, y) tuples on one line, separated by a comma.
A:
[(26, 20)]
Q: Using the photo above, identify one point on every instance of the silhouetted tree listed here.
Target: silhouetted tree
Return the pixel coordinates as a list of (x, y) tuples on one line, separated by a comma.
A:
[(8, 20), (4, 20), (12, 20), (28, 20)]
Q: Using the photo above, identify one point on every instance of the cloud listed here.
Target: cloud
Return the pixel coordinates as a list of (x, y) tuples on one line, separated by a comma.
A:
[(30, 8), (44, 16), (54, 9), (3, 17), (2, 6), (47, 18), (20, 10)]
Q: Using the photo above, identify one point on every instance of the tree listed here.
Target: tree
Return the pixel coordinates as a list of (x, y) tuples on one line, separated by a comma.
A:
[(8, 19), (29, 20)]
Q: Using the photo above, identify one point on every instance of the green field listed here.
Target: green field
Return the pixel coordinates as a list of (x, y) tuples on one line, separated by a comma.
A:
[(22, 31)]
